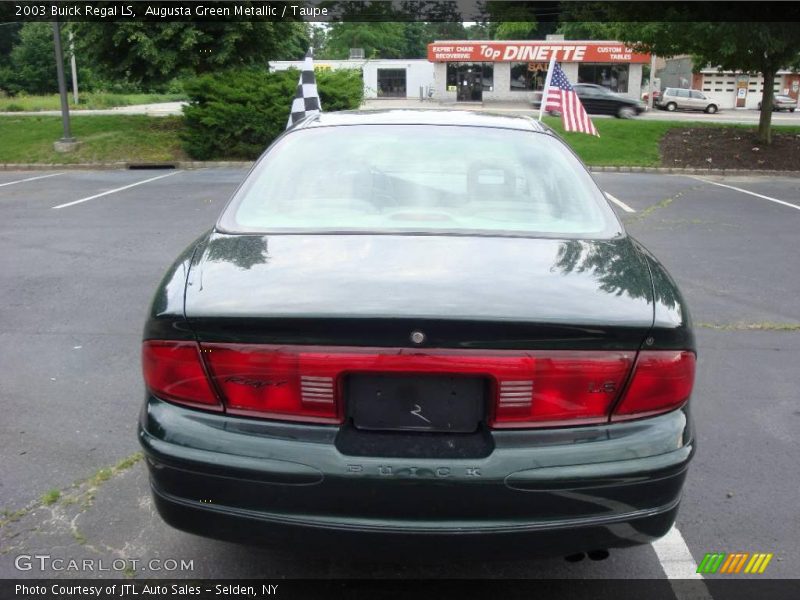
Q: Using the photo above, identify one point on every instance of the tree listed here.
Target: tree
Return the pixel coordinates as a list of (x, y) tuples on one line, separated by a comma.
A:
[(379, 40), (752, 47), (9, 36), (513, 30), (478, 31), (510, 21), (759, 38), (152, 54), (319, 37), (588, 30), (32, 63)]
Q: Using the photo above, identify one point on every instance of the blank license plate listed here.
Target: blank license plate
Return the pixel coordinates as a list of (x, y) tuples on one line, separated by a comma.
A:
[(416, 402)]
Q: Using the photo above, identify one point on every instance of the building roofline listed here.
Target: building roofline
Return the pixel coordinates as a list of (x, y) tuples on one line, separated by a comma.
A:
[(550, 42)]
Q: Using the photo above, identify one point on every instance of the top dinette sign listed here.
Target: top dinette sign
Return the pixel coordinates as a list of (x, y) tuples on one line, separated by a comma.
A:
[(594, 52)]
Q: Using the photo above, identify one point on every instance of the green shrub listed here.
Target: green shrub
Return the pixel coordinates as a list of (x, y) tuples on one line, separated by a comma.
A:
[(236, 114)]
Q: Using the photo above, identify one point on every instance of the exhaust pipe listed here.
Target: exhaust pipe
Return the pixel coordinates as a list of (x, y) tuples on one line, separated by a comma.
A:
[(600, 554), (573, 558)]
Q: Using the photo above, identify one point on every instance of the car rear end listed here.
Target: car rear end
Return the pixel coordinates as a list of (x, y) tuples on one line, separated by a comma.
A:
[(784, 103), (463, 393)]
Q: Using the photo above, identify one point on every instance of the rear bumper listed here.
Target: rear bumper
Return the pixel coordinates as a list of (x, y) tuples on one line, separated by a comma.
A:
[(551, 491)]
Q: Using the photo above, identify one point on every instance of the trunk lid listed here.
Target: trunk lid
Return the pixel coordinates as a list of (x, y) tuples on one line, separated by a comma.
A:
[(460, 291)]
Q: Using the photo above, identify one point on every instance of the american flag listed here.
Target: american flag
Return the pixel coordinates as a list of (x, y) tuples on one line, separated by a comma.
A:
[(561, 97), (306, 99)]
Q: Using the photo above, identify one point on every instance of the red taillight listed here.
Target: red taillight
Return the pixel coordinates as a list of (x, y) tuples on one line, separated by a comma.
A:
[(274, 381), (662, 381), (528, 388), (174, 371), (562, 387)]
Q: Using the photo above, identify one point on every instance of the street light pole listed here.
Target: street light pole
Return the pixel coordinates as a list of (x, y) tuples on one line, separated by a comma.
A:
[(67, 142), (74, 66)]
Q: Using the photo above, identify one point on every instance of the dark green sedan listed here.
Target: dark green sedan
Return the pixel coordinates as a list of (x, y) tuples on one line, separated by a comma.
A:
[(422, 330)]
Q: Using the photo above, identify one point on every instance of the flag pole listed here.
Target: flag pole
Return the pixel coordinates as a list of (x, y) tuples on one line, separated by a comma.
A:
[(547, 79)]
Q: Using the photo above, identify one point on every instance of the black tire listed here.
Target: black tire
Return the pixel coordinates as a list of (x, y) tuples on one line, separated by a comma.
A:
[(626, 112), (711, 109), (791, 110), (671, 106)]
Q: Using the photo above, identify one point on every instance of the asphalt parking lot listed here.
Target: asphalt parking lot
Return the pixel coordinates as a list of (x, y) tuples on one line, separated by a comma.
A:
[(75, 283)]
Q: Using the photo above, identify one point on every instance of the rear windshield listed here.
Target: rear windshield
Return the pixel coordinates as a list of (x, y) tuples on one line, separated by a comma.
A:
[(420, 178)]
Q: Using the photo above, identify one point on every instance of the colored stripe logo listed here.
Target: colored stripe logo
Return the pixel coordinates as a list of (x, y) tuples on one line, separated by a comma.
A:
[(734, 563)]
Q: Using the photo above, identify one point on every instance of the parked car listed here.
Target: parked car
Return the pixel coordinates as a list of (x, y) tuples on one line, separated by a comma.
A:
[(782, 102), (419, 330), (683, 99), (598, 100)]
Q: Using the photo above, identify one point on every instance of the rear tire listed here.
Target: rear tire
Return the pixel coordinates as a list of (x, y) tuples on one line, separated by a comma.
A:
[(671, 106), (626, 112), (711, 109)]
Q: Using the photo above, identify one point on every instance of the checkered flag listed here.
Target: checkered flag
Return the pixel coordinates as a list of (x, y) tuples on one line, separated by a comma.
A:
[(306, 100)]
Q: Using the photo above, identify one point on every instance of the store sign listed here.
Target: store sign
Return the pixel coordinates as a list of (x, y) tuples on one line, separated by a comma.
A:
[(534, 67), (535, 52)]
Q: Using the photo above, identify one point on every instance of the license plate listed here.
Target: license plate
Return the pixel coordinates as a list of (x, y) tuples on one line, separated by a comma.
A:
[(416, 402)]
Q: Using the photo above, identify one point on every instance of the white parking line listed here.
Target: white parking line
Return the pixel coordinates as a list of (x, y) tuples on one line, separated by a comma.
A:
[(679, 565), (619, 203), (114, 191), (29, 179), (731, 187)]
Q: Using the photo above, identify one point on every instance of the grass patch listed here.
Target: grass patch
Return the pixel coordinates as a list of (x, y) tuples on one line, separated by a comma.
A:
[(104, 138), (633, 142), (51, 497), (9, 516), (91, 100), (622, 142)]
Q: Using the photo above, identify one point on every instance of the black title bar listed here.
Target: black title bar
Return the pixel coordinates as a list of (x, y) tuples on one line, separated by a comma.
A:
[(393, 11)]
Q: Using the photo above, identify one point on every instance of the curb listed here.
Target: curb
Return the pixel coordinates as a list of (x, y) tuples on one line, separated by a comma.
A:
[(692, 171), (244, 164)]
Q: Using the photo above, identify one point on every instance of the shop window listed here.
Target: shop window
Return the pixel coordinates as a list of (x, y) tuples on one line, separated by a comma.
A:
[(613, 77), (391, 83), (488, 77), (470, 80), (528, 77), (452, 76)]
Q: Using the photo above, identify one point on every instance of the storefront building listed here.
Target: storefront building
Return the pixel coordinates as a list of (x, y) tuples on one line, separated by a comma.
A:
[(476, 71), (742, 90), (383, 78)]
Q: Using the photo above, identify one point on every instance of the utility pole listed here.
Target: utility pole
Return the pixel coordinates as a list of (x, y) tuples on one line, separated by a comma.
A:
[(652, 81), (74, 67), (67, 143)]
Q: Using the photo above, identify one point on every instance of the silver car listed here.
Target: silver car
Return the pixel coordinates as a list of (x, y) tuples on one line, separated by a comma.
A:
[(679, 98), (782, 102)]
